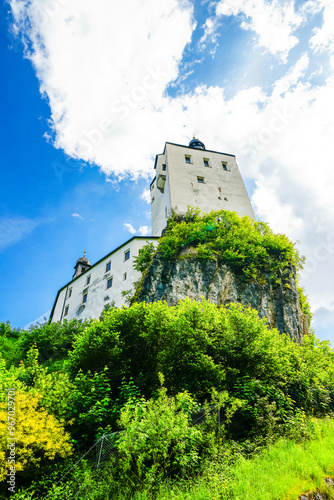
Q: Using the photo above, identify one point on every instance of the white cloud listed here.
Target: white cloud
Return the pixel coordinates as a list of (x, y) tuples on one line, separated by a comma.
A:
[(323, 38), (211, 33), (144, 230), (78, 216), (104, 67), (273, 21), (129, 227), (146, 195), (323, 321), (14, 229)]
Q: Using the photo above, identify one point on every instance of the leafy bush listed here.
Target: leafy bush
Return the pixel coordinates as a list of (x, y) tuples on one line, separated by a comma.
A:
[(144, 258), (39, 436), (248, 246), (159, 440), (198, 346), (53, 341)]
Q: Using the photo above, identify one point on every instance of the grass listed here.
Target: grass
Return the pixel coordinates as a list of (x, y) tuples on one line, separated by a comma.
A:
[(283, 471)]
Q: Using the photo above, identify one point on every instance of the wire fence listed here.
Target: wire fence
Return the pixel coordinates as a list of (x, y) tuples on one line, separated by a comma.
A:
[(106, 446)]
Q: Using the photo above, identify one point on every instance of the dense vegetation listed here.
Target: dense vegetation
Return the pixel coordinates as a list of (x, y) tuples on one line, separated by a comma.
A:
[(246, 245), (193, 397), (252, 384)]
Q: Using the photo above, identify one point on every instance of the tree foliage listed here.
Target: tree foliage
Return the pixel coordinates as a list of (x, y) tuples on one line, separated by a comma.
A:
[(197, 346), (38, 434), (247, 246)]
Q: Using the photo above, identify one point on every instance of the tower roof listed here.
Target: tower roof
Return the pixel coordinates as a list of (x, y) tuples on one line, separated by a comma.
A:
[(196, 143), (82, 260)]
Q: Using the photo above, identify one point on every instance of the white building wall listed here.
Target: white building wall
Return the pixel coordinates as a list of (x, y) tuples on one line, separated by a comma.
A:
[(222, 189), (160, 196), (98, 295)]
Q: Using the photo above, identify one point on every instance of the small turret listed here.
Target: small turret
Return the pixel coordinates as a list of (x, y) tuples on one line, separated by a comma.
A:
[(196, 144), (81, 265)]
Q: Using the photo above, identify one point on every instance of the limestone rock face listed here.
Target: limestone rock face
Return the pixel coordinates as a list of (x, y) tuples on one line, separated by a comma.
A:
[(172, 280)]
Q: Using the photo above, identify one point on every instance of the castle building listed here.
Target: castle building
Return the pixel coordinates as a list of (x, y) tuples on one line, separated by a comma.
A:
[(192, 175), (185, 175)]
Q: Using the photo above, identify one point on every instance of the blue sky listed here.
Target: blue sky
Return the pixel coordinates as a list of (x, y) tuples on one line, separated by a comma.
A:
[(92, 90)]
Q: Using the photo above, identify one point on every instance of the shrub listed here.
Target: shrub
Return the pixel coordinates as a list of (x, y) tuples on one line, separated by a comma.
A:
[(248, 246), (158, 440), (38, 435), (198, 346)]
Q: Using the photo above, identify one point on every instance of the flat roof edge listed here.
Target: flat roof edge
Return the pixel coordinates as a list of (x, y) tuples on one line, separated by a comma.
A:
[(208, 150)]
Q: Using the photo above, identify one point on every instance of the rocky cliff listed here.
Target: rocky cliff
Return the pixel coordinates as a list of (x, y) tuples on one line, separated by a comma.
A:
[(193, 277)]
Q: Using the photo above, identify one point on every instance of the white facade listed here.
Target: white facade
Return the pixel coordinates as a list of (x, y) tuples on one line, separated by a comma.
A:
[(197, 177), (87, 295)]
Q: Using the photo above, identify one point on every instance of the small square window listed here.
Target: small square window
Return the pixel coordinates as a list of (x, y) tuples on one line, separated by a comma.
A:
[(66, 310), (108, 266), (206, 162), (188, 158), (127, 255), (70, 293), (200, 180), (224, 164), (88, 280), (109, 282), (125, 275), (164, 167), (84, 298)]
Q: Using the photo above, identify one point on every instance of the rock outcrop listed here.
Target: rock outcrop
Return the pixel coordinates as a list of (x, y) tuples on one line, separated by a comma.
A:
[(175, 279), (318, 495)]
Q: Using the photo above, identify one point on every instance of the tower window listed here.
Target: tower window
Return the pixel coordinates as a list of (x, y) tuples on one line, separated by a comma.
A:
[(125, 275), (84, 298), (127, 255), (206, 162), (224, 165), (164, 167), (188, 158), (108, 266), (200, 180), (109, 283), (70, 293), (66, 310), (88, 280)]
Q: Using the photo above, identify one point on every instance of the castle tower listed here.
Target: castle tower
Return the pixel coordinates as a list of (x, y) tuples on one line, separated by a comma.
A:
[(81, 265), (192, 175)]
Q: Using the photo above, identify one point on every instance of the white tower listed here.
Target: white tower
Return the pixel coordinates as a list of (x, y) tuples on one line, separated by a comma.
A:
[(192, 175)]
